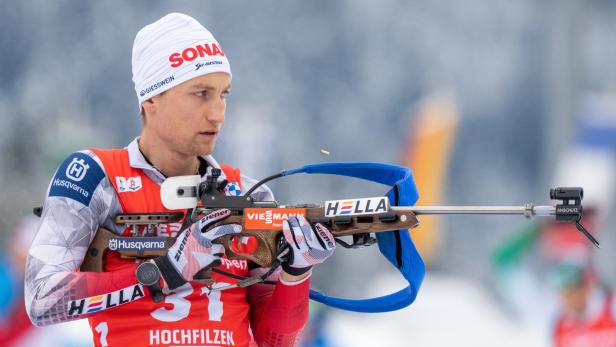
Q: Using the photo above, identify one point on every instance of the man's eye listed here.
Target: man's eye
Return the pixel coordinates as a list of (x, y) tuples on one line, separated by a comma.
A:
[(224, 95), (201, 93)]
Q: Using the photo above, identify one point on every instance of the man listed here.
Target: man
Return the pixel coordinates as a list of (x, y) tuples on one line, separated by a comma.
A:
[(182, 77), (588, 309)]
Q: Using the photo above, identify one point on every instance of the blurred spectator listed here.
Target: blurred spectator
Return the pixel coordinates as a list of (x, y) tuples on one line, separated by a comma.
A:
[(14, 322), (588, 308), (16, 330), (586, 315), (559, 283)]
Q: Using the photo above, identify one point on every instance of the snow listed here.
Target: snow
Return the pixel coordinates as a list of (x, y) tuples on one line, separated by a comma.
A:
[(449, 311)]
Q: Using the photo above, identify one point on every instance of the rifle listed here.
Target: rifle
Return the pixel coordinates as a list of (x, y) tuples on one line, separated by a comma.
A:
[(262, 221), (383, 217)]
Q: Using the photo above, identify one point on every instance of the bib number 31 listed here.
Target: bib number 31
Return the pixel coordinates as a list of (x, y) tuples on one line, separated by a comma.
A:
[(180, 306)]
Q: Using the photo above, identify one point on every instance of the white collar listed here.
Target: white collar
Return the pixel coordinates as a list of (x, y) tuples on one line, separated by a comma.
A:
[(138, 161)]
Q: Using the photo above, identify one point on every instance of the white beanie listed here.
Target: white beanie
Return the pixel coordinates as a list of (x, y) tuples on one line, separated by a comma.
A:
[(173, 50)]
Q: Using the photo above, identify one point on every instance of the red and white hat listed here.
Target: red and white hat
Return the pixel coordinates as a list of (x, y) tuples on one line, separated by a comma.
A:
[(173, 50)]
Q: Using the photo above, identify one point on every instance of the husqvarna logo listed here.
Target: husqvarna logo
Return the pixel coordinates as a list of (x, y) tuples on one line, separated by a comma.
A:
[(77, 169), (131, 244)]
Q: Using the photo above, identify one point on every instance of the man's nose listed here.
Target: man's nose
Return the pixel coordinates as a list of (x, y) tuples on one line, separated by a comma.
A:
[(216, 114)]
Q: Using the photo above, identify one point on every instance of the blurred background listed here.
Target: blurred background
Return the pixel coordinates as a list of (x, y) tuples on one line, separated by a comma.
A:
[(489, 102)]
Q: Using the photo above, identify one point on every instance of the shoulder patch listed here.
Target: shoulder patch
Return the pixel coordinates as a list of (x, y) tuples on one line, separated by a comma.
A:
[(77, 178)]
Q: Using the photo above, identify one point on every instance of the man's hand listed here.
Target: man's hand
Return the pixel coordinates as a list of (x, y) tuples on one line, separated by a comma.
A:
[(309, 245), (193, 249)]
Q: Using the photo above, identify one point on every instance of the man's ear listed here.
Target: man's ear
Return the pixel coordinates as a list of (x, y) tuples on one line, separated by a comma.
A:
[(148, 106)]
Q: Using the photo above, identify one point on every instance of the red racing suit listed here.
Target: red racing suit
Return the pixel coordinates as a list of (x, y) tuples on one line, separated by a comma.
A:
[(89, 189), (596, 328)]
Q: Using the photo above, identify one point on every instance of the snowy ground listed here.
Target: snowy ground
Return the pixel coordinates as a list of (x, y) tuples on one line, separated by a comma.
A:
[(70, 334), (449, 311)]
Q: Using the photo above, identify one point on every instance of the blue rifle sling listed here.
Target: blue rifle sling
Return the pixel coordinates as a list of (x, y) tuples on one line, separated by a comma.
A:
[(396, 246)]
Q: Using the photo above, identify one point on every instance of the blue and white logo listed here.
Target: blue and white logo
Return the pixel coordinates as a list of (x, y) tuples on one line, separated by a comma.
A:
[(77, 178), (77, 169), (233, 189)]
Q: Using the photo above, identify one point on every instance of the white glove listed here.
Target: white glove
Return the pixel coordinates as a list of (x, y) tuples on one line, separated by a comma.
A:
[(309, 245), (193, 249)]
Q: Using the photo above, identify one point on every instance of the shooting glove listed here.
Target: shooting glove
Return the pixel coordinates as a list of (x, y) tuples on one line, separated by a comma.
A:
[(193, 249), (309, 245)]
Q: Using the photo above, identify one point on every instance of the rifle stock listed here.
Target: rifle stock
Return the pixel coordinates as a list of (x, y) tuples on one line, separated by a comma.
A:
[(94, 260), (95, 256), (268, 240)]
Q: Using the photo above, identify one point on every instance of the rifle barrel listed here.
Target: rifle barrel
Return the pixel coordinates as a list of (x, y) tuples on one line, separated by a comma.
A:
[(528, 210)]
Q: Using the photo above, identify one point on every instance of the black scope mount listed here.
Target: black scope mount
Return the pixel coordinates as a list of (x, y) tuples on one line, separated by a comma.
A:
[(570, 208)]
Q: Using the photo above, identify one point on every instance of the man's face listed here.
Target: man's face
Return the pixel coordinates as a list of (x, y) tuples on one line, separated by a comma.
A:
[(187, 118), (575, 297)]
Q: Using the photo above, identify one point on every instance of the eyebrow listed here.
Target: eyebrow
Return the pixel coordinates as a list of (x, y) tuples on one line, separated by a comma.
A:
[(208, 87)]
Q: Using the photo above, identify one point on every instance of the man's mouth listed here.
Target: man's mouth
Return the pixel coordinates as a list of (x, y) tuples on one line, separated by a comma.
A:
[(208, 133)]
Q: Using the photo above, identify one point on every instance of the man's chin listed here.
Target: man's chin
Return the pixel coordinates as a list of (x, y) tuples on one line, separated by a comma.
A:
[(204, 150)]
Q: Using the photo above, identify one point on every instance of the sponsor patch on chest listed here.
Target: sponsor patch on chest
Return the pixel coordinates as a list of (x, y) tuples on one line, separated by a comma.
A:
[(128, 184)]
